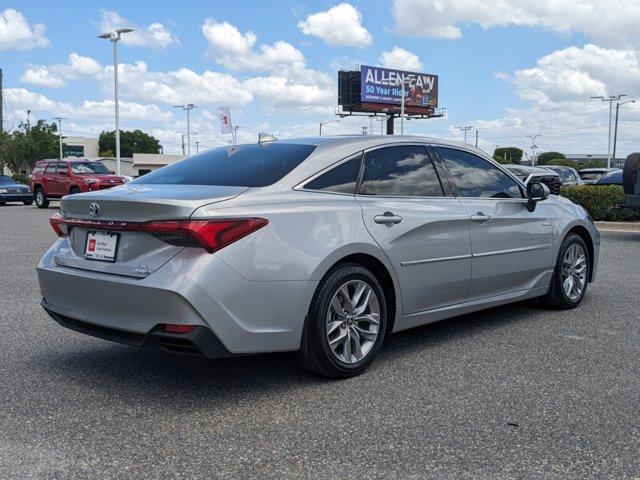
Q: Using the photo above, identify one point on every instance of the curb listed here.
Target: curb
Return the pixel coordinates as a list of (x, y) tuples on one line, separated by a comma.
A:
[(618, 226)]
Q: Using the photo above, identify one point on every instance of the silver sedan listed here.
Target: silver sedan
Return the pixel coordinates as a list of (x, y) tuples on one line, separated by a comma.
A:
[(320, 246)]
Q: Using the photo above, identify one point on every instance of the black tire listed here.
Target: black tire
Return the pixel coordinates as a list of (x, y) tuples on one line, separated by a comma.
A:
[(28, 202), (557, 297), (315, 353), (74, 190), (41, 200)]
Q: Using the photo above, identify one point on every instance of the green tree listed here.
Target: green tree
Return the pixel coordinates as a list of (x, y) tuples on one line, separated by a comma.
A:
[(507, 155), (563, 162), (545, 157), (30, 143), (593, 163), (131, 142)]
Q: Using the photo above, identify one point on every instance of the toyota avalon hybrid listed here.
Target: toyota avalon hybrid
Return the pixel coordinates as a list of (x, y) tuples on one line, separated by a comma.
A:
[(320, 246)]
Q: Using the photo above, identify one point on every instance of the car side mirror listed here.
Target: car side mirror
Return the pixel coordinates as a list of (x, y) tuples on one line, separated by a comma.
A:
[(536, 192), (112, 172), (63, 171)]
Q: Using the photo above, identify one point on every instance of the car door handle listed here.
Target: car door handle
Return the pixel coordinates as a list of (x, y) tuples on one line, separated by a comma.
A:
[(480, 217), (388, 218)]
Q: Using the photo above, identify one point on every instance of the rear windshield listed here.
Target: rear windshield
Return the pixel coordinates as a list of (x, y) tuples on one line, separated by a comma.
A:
[(242, 166), (591, 175), (88, 167)]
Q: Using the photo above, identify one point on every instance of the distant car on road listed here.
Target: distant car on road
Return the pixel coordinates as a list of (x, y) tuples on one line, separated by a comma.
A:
[(631, 181), (611, 178), (591, 175), (57, 178), (549, 178), (12, 191), (570, 176)]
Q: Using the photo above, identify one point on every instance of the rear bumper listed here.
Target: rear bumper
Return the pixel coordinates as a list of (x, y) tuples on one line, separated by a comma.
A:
[(632, 201), (193, 288), (200, 341)]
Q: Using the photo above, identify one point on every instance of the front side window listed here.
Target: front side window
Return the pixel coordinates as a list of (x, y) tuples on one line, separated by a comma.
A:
[(404, 171), (341, 179), (242, 166), (475, 177)]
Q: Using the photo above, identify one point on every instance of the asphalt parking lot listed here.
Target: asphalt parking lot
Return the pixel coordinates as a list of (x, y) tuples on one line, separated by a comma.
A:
[(514, 392)]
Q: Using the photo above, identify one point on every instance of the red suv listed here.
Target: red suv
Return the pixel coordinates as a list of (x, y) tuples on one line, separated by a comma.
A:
[(56, 178)]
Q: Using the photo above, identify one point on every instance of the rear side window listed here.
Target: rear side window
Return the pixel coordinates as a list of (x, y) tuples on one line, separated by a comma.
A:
[(341, 179), (242, 166), (51, 168), (404, 171), (475, 177), (39, 168)]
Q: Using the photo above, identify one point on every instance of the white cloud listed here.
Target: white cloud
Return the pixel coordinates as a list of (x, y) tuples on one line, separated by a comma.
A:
[(128, 110), (282, 92), (56, 76), (340, 25), (574, 74), (612, 22), (234, 50), (154, 35), (401, 59), (16, 33)]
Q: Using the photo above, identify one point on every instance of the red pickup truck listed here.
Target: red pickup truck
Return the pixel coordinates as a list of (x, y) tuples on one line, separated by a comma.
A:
[(56, 178)]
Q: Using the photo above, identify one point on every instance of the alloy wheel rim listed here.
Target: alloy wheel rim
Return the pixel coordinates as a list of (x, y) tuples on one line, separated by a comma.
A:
[(574, 272), (353, 321), (39, 196)]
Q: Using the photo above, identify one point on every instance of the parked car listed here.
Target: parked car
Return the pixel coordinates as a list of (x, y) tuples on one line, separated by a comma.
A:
[(631, 181), (568, 175), (56, 178), (317, 245), (549, 178), (591, 175), (12, 191), (611, 178)]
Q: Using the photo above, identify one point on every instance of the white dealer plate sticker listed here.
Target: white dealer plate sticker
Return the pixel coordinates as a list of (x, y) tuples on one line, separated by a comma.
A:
[(101, 246)]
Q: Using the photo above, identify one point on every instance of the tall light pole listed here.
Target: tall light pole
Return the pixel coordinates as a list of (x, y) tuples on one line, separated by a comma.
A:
[(533, 148), (610, 99), (235, 134), (59, 120), (114, 37), (197, 149), (615, 128), (188, 107), (465, 130), (325, 123)]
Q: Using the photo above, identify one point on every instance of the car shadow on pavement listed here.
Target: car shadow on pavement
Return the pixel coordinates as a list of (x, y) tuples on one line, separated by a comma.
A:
[(150, 374)]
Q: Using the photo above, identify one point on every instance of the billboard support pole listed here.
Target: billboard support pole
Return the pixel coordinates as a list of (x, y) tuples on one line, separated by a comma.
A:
[(402, 94), (390, 124)]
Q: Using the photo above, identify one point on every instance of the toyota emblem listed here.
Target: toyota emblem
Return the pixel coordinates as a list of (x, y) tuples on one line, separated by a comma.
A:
[(94, 209)]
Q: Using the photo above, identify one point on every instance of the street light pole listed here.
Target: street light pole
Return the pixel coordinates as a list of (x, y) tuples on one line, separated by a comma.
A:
[(188, 107), (325, 123), (114, 37), (610, 99), (465, 130), (533, 148), (59, 120), (615, 129)]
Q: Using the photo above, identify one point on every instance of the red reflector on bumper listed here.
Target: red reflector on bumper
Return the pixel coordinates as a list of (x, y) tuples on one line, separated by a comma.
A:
[(171, 328)]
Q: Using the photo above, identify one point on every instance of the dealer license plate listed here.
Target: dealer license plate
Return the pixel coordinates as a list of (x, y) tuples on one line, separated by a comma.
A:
[(101, 246)]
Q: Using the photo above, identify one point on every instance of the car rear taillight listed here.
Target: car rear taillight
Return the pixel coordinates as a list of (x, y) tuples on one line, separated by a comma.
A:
[(175, 328), (212, 235)]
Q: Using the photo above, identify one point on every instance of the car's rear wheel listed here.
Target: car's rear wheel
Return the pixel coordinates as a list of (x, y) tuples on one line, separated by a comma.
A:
[(41, 200), (571, 274), (74, 190), (346, 324)]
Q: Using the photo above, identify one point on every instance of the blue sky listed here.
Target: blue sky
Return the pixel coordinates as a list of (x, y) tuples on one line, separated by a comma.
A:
[(508, 68)]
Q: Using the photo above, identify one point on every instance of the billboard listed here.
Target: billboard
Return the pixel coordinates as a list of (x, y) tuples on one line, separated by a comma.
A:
[(384, 85)]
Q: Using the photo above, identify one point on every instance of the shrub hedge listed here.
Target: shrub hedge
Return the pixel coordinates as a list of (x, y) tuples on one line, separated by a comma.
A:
[(604, 203), (20, 178)]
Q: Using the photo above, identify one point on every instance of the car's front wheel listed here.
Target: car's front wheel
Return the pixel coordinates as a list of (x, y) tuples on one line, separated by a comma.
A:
[(571, 274), (346, 323), (41, 200)]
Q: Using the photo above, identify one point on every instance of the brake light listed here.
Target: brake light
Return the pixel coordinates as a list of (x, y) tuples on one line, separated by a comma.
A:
[(212, 235)]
